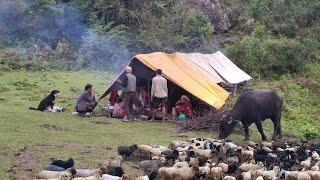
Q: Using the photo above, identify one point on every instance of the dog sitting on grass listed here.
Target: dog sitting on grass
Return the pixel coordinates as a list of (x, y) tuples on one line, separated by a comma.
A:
[(47, 101)]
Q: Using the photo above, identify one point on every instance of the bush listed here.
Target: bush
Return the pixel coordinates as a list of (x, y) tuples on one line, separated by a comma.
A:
[(260, 53)]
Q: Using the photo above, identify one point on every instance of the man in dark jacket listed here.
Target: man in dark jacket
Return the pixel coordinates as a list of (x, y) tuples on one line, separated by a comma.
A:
[(130, 84), (86, 101)]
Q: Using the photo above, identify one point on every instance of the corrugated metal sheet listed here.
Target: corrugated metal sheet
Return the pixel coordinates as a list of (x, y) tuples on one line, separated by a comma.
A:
[(201, 61), (229, 71)]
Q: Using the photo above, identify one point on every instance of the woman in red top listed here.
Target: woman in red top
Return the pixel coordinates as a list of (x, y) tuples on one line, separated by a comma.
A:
[(183, 106)]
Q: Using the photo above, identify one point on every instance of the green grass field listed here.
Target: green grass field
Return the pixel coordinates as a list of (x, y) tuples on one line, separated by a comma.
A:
[(88, 142)]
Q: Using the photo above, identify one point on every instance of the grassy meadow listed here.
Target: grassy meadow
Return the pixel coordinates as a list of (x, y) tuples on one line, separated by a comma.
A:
[(28, 139)]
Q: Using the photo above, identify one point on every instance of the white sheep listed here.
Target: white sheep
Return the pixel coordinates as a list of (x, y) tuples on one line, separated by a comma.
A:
[(115, 162), (229, 178), (181, 164), (185, 173), (306, 164), (224, 167), (204, 153), (45, 174), (315, 155), (248, 166), (247, 175), (217, 173), (271, 174), (166, 172), (110, 177)]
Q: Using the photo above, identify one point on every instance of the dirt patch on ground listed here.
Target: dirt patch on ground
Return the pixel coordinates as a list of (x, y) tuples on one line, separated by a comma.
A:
[(23, 164), (52, 127)]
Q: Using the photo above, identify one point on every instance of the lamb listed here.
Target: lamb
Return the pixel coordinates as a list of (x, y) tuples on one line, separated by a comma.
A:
[(145, 149), (185, 173), (306, 164), (271, 174), (229, 178), (126, 150), (63, 164), (152, 176), (230, 145), (259, 178), (217, 173)]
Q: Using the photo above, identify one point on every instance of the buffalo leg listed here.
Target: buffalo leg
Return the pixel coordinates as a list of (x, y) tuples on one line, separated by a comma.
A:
[(246, 133), (277, 126), (259, 127)]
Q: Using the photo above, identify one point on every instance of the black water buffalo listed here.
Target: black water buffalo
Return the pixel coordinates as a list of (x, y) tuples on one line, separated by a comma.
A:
[(254, 106)]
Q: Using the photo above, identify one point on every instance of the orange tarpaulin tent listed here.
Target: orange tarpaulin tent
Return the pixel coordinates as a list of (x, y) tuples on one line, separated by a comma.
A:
[(180, 71)]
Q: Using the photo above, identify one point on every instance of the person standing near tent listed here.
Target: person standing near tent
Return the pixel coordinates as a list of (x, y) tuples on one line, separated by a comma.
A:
[(159, 94), (130, 84)]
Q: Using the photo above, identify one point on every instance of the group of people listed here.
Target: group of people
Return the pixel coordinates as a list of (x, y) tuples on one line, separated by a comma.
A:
[(123, 106)]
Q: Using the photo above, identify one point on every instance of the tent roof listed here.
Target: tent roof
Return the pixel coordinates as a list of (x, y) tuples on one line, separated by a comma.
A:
[(194, 72), (219, 67)]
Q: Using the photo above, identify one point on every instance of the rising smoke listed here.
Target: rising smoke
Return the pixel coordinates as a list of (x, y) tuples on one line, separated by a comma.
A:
[(35, 24)]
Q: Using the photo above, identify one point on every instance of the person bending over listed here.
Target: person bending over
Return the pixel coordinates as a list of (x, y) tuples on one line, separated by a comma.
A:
[(86, 101)]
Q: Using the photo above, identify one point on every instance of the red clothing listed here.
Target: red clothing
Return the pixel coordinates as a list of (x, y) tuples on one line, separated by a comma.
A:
[(113, 97), (184, 108)]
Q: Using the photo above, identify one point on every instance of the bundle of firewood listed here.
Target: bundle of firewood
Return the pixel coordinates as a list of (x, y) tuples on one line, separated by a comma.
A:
[(210, 121)]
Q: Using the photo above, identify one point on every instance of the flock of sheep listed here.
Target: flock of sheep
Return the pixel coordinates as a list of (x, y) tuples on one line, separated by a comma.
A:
[(201, 158)]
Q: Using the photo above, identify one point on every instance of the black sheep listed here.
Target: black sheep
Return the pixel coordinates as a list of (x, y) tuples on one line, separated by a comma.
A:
[(232, 168), (115, 171), (153, 175), (173, 156), (63, 164), (126, 150)]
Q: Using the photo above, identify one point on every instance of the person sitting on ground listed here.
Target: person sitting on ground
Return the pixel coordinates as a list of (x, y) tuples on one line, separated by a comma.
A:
[(113, 97), (159, 94), (183, 106), (130, 84), (118, 109), (143, 96), (86, 101)]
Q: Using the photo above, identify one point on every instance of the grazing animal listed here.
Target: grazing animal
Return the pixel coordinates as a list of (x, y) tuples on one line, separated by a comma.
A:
[(185, 173), (127, 150), (254, 106), (47, 101), (114, 161), (54, 168), (45, 174), (172, 156), (229, 178), (151, 176), (64, 164), (149, 164), (110, 177), (96, 176), (115, 171)]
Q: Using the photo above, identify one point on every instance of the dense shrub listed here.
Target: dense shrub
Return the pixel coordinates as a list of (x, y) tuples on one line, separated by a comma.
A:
[(260, 53)]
